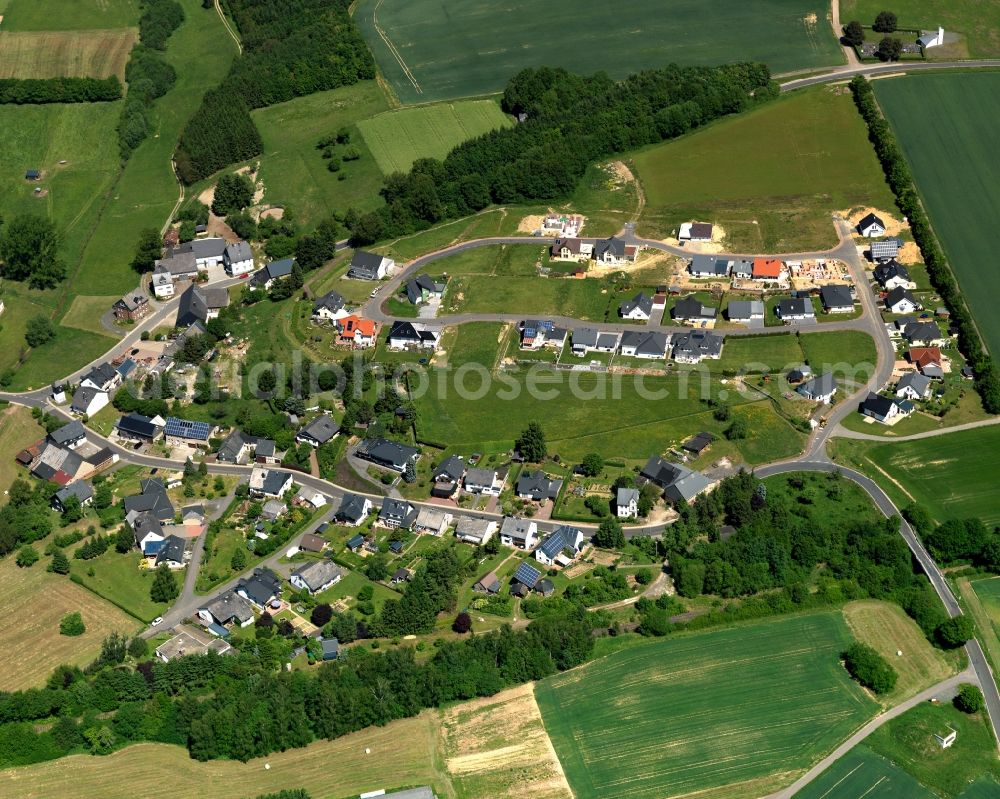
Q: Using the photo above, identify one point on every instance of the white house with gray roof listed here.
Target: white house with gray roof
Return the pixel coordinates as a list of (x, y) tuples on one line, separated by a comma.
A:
[(745, 311), (590, 339), (627, 503), (238, 259), (369, 266), (913, 386), (639, 308), (317, 576), (650, 345), (819, 389), (269, 482)]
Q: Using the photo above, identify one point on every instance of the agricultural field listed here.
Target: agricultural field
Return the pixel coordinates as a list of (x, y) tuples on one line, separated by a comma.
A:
[(435, 51), (861, 774), (398, 138), (34, 602), (949, 152), (770, 178), (69, 54), (68, 15), (952, 475), (694, 713), (982, 598)]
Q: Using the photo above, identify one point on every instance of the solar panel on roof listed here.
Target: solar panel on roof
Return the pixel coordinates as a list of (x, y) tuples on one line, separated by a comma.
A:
[(527, 574), (185, 428)]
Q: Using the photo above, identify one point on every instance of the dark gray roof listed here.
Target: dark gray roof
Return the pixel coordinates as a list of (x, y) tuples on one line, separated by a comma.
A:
[(78, 488), (889, 270), (390, 453), (83, 397), (537, 485), (452, 468), (646, 342), (640, 301), (333, 301), (709, 264), (918, 382), (794, 306), (396, 509), (922, 331), (836, 296), (626, 495), (744, 309), (68, 433), (230, 449), (898, 294), (698, 343), (264, 448), (819, 386), (563, 537), (213, 247), (153, 498), (877, 405), (196, 302), (870, 219), (240, 251), (172, 550), (261, 586), (614, 245), (691, 308), (585, 337), (321, 429), (352, 508), (677, 481), (137, 424), (365, 264), (101, 375)]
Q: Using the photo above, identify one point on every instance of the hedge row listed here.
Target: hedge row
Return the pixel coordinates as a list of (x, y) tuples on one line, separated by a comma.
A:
[(900, 180), (36, 91)]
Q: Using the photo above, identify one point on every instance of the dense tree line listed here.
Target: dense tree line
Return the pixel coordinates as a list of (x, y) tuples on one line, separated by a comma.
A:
[(957, 540), (290, 49), (158, 20), (148, 76), (27, 91), (570, 122), (900, 180)]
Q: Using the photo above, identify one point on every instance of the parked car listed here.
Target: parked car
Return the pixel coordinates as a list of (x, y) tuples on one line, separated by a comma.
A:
[(157, 621)]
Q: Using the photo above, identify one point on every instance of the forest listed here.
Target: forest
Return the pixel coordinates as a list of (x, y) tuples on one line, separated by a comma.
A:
[(568, 122), (35, 91)]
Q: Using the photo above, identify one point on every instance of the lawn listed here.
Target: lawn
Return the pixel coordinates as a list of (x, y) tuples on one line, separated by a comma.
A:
[(70, 54), (770, 177), (398, 138), (843, 351), (68, 15), (861, 774), (34, 602), (432, 51), (85, 313), (476, 343), (697, 712), (948, 152), (17, 430), (293, 169), (119, 579)]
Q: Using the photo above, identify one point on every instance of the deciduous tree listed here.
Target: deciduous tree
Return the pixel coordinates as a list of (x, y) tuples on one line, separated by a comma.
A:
[(29, 251)]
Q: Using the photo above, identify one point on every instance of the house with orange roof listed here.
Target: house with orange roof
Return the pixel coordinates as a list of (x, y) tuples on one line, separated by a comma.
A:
[(768, 269), (356, 331), (928, 361)]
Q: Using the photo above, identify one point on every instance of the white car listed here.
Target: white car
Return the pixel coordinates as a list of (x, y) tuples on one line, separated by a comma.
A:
[(374, 291), (156, 621)]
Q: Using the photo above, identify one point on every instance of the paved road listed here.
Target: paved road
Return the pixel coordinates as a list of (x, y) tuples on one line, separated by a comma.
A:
[(843, 432), (848, 72)]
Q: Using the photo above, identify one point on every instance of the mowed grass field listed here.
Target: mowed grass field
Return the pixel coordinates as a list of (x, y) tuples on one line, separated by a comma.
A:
[(952, 154), (861, 774), (17, 430), (71, 54), (728, 713), (68, 15), (398, 138), (445, 50), (771, 177)]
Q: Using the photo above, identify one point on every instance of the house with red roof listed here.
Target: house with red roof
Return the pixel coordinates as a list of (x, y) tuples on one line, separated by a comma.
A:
[(770, 269)]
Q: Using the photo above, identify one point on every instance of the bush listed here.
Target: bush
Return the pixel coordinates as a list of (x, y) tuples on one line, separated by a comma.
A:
[(27, 556), (969, 698), (72, 625), (869, 668), (953, 633), (462, 623), (321, 615)]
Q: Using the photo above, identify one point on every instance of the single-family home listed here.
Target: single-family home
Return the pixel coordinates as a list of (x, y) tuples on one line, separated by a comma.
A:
[(431, 520), (485, 481), (627, 503), (923, 334), (319, 431), (695, 231), (640, 307), (387, 454), (871, 226), (88, 401), (677, 481), (152, 498), (401, 575), (475, 531), (927, 358), (260, 588), (697, 345), (794, 309), (206, 252), (353, 510), (525, 579), (317, 576), (186, 431), (447, 476), (885, 409), (171, 553), (590, 339), (228, 608), (644, 344), (396, 513), (931, 38), (487, 584), (191, 641), (769, 270), (369, 266), (137, 427), (885, 250), (799, 374), (331, 305), (272, 483), (518, 532), (901, 301), (614, 251), (148, 532), (820, 389), (893, 275), (329, 649), (103, 377), (404, 334), (745, 310), (560, 546), (709, 266), (741, 269), (162, 283), (132, 306), (273, 510), (356, 332), (198, 304), (178, 265), (690, 310), (266, 276), (70, 435), (913, 386), (537, 486), (311, 542), (237, 259), (836, 298), (423, 288), (236, 448), (571, 249), (538, 333), (79, 489)]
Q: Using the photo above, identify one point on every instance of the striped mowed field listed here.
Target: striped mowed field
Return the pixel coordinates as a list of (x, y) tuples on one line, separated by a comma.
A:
[(861, 774), (398, 138), (66, 54), (729, 713)]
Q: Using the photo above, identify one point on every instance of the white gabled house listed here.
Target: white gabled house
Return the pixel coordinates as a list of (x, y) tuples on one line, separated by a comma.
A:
[(627, 503), (871, 226)]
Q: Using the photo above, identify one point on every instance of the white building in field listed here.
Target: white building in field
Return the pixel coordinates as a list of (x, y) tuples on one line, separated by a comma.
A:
[(932, 39)]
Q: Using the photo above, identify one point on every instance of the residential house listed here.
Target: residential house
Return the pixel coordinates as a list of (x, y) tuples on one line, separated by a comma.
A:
[(369, 266), (627, 503), (913, 386), (448, 476), (88, 401), (884, 409), (148, 532), (709, 266), (885, 250), (185, 431), (228, 608), (792, 309), (536, 334), (517, 532), (272, 483), (431, 520), (136, 427), (79, 489), (273, 510), (330, 648), (261, 588), (525, 578), (70, 435), (404, 335), (900, 301), (423, 288), (162, 283), (769, 270), (399, 576), (152, 498), (923, 334), (537, 486), (677, 481), (485, 481), (198, 304), (356, 332), (589, 339), (171, 552), (836, 298), (330, 306), (697, 345), (893, 275), (179, 265), (353, 510), (266, 276), (690, 310), (237, 259), (317, 576), (640, 307), (132, 306), (487, 584), (745, 310), (741, 269), (614, 251), (265, 452), (820, 389), (571, 249), (207, 252), (644, 344), (191, 641), (561, 546), (103, 377), (871, 226), (695, 231), (475, 531), (319, 431), (799, 374), (927, 358), (387, 454), (236, 448), (396, 513), (311, 542)]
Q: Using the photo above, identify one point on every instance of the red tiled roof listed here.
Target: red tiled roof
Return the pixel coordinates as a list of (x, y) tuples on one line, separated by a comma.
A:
[(923, 356), (767, 267)]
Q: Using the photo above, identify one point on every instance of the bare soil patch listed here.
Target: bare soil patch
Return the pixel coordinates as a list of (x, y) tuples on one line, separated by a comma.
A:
[(531, 223), (893, 226)]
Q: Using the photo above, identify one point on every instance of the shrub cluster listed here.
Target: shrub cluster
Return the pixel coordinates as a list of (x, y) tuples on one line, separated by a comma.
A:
[(159, 19), (148, 77), (35, 91), (869, 668)]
